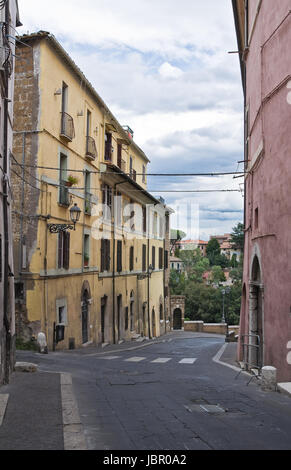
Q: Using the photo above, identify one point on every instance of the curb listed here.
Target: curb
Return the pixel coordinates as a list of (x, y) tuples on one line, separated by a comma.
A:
[(3, 405), (217, 357), (74, 438)]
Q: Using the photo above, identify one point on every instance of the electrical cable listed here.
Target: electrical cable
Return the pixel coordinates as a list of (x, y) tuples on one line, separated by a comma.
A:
[(139, 174)]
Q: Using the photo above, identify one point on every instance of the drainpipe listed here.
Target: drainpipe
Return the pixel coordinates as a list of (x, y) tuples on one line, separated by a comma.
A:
[(148, 278), (113, 263)]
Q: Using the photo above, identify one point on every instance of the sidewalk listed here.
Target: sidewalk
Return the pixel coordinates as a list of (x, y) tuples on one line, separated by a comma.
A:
[(41, 412), (33, 416)]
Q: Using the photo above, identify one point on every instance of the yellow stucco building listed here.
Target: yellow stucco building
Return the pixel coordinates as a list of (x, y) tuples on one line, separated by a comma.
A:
[(106, 279)]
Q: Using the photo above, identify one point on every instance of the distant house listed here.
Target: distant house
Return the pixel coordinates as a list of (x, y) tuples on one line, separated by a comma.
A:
[(176, 264), (192, 245), (226, 246)]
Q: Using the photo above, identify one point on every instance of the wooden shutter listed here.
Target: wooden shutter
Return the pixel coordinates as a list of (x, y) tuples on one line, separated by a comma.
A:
[(131, 258), (119, 155), (166, 259), (60, 249), (102, 254), (107, 255), (66, 250), (154, 257), (119, 256), (160, 258)]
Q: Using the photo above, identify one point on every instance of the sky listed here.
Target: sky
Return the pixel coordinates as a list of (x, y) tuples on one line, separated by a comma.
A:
[(163, 68)]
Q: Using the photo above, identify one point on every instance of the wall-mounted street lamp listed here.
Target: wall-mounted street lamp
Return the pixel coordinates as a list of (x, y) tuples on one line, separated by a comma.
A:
[(141, 277), (75, 214)]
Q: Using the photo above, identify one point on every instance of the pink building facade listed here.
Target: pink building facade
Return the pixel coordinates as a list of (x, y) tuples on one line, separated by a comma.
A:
[(264, 38)]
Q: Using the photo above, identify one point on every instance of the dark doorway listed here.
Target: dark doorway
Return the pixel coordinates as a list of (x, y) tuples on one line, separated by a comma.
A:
[(103, 311), (85, 317), (119, 303), (154, 333), (177, 320), (256, 316)]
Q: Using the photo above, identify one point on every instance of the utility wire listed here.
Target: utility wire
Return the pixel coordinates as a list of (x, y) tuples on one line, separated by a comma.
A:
[(137, 174)]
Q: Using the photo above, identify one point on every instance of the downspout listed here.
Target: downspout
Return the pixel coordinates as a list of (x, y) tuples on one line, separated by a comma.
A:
[(148, 278), (113, 263)]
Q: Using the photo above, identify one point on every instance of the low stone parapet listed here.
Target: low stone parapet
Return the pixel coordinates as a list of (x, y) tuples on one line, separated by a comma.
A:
[(216, 328)]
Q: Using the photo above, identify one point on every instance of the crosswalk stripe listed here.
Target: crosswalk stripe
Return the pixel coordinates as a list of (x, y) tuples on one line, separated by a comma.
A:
[(135, 359), (162, 360), (189, 360), (110, 358)]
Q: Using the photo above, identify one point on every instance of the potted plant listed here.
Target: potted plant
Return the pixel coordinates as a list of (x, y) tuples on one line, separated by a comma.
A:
[(71, 181)]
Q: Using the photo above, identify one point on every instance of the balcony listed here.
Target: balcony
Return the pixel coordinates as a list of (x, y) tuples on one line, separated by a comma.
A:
[(91, 150), (67, 127), (64, 198)]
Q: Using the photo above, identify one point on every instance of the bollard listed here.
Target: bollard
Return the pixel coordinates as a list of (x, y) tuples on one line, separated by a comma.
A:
[(269, 378)]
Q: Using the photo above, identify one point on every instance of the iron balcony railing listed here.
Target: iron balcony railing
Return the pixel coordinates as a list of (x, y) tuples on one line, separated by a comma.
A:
[(64, 198), (91, 150), (67, 127)]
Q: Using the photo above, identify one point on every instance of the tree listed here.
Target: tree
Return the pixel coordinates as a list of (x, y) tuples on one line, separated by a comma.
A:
[(238, 236), (214, 255), (176, 236), (217, 275)]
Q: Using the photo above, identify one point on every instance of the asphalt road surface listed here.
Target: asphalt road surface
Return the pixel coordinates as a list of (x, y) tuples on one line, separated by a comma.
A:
[(170, 396)]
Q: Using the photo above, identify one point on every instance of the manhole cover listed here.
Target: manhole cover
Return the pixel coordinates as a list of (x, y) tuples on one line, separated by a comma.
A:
[(205, 408)]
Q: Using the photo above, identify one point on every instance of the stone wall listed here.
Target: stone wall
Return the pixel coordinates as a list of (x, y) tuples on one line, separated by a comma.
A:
[(216, 328)]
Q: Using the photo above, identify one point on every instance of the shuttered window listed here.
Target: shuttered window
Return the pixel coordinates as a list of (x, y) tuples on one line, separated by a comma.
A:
[(119, 256), (64, 250), (108, 147), (161, 258), (144, 257), (154, 257), (131, 258), (105, 255)]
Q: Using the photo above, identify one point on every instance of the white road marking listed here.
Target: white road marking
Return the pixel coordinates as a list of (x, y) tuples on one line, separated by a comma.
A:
[(135, 359), (110, 358), (162, 360), (189, 360)]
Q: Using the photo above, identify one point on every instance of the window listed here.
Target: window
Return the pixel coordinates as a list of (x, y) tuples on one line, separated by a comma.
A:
[(119, 256), (107, 201), (65, 90), (126, 318), (154, 257), (119, 155), (256, 218), (131, 258), (118, 209), (86, 250), (64, 250), (88, 129), (131, 166), (87, 193), (166, 259), (105, 255), (161, 258), (61, 307), (144, 219), (64, 192), (108, 147), (155, 224), (144, 257)]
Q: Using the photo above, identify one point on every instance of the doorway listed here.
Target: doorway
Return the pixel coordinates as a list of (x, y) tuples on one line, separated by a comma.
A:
[(85, 317), (177, 319), (256, 316)]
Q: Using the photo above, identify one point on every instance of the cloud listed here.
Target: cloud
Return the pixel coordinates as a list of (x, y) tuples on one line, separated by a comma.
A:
[(163, 68)]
